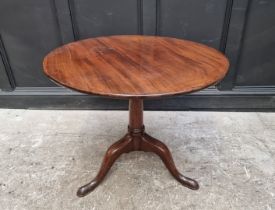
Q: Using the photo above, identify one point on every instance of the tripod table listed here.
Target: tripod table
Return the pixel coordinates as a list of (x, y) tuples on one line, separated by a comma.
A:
[(135, 68)]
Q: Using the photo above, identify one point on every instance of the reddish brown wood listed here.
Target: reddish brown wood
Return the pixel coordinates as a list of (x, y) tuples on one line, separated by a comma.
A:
[(135, 66), (122, 146), (136, 114), (136, 140)]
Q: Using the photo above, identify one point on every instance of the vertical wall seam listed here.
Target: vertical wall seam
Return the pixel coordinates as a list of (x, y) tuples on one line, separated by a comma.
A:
[(140, 16), (6, 62), (226, 24), (157, 29), (73, 20), (54, 8)]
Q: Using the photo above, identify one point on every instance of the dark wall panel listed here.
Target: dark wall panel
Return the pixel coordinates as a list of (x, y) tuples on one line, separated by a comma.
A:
[(29, 30), (243, 29), (237, 13), (105, 17), (200, 20), (257, 58)]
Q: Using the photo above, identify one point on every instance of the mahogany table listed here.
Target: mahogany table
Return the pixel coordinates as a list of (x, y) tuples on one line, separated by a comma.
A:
[(135, 67)]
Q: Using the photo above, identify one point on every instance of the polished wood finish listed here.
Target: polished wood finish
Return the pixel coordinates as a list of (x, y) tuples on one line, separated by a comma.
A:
[(136, 140), (135, 66)]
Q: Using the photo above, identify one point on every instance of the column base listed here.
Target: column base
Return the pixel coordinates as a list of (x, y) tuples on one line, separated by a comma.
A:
[(137, 140)]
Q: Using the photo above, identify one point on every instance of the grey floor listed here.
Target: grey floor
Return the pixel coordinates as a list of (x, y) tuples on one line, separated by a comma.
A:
[(46, 155)]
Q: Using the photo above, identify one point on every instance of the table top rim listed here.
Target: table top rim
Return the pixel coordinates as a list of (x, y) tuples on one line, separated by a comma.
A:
[(143, 95)]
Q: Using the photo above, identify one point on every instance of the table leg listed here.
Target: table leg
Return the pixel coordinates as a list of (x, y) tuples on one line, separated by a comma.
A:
[(136, 140)]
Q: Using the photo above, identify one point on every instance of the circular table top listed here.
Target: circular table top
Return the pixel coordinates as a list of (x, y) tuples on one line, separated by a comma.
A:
[(128, 66)]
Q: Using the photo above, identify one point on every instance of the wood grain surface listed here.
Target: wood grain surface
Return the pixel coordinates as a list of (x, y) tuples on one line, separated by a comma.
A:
[(129, 66)]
